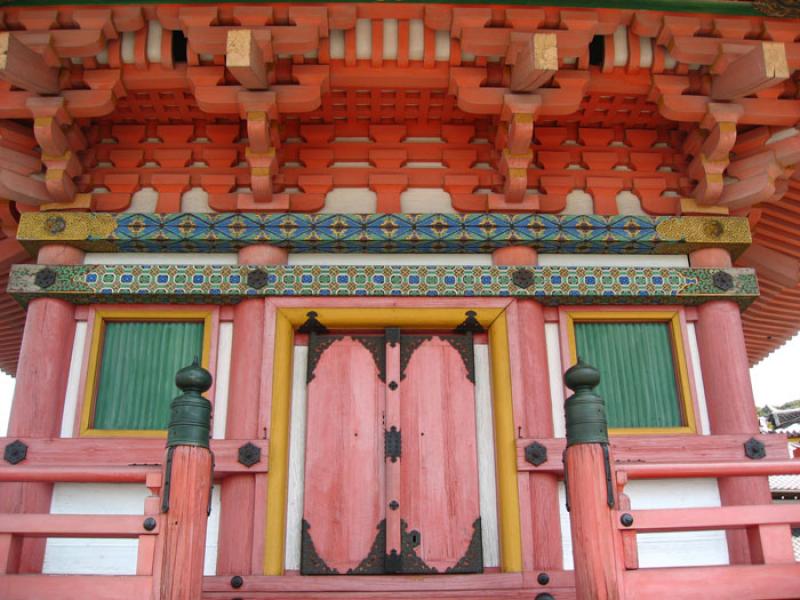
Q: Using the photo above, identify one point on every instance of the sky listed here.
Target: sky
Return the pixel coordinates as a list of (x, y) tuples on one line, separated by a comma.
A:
[(774, 380)]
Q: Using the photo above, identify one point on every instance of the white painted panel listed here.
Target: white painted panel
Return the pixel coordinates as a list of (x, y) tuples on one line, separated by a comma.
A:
[(297, 460), (71, 400), (486, 466), (621, 46), (154, 32), (158, 258), (669, 60), (442, 51), (222, 377), (629, 204), (195, 200), (127, 47), (350, 200), (782, 134), (645, 52), (700, 390), (613, 260), (416, 39), (578, 203), (390, 259), (212, 533), (78, 556), (426, 200), (337, 43), (551, 336), (689, 548), (145, 199), (389, 39), (364, 38)]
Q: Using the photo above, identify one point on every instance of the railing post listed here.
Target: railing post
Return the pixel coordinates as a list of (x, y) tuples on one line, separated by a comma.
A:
[(596, 549), (186, 491)]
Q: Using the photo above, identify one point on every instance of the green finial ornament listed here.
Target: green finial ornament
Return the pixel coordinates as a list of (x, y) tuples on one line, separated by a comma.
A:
[(585, 411), (190, 413)]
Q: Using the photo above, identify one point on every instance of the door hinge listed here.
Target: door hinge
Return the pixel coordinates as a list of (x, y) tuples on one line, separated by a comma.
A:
[(392, 443)]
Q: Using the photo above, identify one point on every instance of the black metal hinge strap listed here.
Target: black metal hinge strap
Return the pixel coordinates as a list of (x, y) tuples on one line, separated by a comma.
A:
[(392, 443)]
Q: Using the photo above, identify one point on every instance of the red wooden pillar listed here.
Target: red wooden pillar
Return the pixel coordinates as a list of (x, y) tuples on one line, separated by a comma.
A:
[(238, 491), (729, 397), (36, 412), (187, 488), (596, 545), (530, 382)]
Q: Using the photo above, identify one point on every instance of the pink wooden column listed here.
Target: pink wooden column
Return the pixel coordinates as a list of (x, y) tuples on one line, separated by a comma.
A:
[(36, 412), (596, 545), (729, 396), (238, 491), (186, 490), (530, 383)]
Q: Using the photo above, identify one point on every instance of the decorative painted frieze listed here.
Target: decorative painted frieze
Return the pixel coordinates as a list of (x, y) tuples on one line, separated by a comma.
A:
[(383, 233), (230, 283)]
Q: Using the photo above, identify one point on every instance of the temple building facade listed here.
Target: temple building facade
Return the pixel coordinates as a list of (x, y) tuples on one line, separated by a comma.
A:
[(393, 300)]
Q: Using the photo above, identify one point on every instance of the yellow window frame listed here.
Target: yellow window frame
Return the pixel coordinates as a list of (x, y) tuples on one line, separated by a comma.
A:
[(107, 315), (289, 319), (672, 317)]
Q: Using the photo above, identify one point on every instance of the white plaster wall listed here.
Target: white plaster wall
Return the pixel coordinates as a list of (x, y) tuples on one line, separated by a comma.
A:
[(694, 359), (389, 259), (426, 200), (350, 200), (297, 460), (484, 420), (71, 400), (159, 258), (78, 556), (222, 378), (613, 260), (553, 342), (681, 549)]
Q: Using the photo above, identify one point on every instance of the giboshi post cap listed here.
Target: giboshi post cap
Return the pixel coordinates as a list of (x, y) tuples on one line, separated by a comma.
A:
[(581, 375), (193, 378)]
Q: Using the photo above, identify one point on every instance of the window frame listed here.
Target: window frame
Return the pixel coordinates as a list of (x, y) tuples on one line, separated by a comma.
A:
[(356, 314), (684, 379), (95, 341)]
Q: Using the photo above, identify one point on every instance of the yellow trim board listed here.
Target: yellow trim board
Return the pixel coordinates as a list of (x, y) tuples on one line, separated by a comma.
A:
[(421, 317), (671, 317), (101, 317)]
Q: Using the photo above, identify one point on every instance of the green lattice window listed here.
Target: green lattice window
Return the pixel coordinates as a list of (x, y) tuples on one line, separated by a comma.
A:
[(135, 367), (641, 372)]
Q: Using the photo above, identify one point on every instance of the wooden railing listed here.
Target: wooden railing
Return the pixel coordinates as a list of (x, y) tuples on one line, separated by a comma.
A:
[(775, 576), (98, 461), (145, 527)]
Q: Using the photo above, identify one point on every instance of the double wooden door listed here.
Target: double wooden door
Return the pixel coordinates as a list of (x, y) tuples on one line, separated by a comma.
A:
[(391, 476)]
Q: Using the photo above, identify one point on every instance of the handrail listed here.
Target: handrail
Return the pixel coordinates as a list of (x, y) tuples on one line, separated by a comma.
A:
[(132, 474), (714, 469)]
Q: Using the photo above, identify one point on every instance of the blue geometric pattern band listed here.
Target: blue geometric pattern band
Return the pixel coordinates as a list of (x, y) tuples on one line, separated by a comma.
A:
[(383, 233), (230, 283)]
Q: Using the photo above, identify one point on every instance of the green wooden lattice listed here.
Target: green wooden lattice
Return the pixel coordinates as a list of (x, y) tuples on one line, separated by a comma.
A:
[(637, 372), (138, 363)]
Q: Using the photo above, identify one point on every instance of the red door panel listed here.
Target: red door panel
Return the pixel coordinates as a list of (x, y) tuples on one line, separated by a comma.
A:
[(439, 503), (343, 501)]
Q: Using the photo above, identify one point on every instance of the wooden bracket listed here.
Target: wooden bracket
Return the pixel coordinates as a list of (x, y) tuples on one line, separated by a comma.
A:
[(60, 140), (536, 63), (25, 68), (247, 56), (745, 70)]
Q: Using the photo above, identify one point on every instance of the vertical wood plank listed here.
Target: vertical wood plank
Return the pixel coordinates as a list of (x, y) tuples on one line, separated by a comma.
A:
[(393, 469), (439, 495), (344, 460)]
